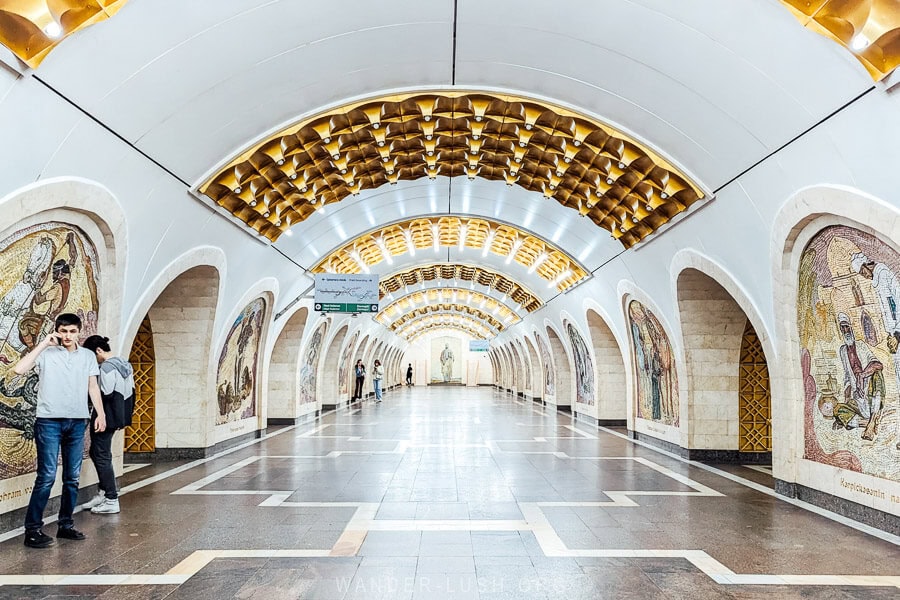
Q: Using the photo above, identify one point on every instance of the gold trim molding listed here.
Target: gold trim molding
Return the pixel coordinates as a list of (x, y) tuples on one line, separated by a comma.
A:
[(487, 305), (588, 166), (421, 323), (461, 272), (488, 321), (32, 28), (550, 263), (869, 29)]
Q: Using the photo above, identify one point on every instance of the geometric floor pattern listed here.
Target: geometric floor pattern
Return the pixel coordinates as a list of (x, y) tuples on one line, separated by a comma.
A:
[(452, 493)]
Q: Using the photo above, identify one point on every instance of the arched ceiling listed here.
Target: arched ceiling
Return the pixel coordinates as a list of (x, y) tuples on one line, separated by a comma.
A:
[(446, 320), (589, 166), (488, 304), (462, 273), (538, 256), (435, 327)]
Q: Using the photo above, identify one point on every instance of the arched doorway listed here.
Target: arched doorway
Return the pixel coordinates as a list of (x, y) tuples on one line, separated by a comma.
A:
[(141, 436), (612, 395), (565, 383)]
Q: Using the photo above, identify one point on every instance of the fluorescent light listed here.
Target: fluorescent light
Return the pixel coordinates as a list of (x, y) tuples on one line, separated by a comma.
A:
[(53, 29)]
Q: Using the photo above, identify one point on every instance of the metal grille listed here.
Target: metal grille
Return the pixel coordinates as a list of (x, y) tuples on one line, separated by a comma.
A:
[(141, 436), (755, 412)]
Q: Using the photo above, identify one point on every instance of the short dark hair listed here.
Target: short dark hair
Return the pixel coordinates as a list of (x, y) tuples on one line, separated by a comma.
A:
[(67, 319), (96, 341)]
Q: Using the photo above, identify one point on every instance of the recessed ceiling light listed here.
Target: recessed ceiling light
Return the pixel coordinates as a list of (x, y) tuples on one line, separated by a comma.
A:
[(53, 29), (859, 42)]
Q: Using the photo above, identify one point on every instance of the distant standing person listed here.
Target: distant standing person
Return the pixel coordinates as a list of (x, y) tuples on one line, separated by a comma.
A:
[(67, 376), (117, 391), (360, 371), (377, 376), (409, 374)]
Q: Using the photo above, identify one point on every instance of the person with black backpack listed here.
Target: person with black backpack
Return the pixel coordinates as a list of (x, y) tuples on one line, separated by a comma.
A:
[(117, 390)]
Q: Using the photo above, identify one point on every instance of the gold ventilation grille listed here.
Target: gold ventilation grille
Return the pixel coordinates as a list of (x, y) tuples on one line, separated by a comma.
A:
[(519, 294), (581, 163), (449, 308), (485, 303), (429, 234), (870, 29), (463, 322), (32, 28)]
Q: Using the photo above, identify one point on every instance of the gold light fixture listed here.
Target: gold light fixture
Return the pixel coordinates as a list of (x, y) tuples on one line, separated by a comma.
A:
[(427, 234), (417, 325), (435, 296), (450, 309), (32, 28), (870, 29), (588, 166), (461, 272)]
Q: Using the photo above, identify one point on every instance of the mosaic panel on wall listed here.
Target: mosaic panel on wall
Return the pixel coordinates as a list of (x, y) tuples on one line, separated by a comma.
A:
[(344, 366), (236, 377), (308, 368), (848, 317), (527, 364), (45, 270), (654, 361), (547, 362), (584, 367)]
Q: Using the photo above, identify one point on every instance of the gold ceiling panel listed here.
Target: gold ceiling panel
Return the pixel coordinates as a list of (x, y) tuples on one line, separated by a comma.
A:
[(32, 28), (427, 234), (870, 29), (420, 324), (492, 324), (423, 329), (583, 164), (443, 296), (519, 294)]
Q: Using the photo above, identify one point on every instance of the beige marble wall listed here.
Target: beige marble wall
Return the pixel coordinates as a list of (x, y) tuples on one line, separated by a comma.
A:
[(609, 369), (183, 317), (712, 328)]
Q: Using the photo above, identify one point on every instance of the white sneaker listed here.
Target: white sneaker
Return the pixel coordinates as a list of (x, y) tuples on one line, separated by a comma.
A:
[(107, 507), (97, 500)]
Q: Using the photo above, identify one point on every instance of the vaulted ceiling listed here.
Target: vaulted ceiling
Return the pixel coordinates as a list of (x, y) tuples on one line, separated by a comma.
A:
[(574, 130)]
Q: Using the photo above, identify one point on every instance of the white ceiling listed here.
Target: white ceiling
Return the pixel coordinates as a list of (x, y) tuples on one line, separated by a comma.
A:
[(713, 86)]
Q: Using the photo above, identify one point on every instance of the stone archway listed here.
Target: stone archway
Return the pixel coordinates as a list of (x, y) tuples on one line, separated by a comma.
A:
[(283, 369), (328, 392), (611, 392), (715, 331), (537, 380), (565, 382), (182, 350)]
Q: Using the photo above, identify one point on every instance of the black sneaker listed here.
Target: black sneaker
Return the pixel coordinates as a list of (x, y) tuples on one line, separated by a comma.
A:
[(69, 533), (37, 539)]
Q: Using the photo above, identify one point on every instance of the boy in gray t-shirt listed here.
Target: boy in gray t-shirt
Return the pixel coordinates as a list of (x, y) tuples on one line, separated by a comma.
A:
[(67, 376)]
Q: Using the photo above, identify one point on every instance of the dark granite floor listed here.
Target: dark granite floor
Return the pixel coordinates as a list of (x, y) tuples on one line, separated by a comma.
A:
[(451, 493)]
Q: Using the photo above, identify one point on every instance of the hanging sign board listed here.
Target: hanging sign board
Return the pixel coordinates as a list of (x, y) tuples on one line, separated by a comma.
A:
[(479, 345), (337, 293)]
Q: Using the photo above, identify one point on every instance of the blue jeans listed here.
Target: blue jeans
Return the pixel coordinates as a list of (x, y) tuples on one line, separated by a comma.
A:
[(377, 389), (51, 436)]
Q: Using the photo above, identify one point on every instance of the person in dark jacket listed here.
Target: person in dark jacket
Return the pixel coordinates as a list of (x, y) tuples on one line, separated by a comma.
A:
[(117, 390)]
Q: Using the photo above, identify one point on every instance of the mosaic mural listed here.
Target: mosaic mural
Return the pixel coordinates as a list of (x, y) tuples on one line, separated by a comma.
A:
[(344, 366), (45, 270), (848, 317), (584, 367), (657, 378), (547, 362), (236, 377), (308, 368)]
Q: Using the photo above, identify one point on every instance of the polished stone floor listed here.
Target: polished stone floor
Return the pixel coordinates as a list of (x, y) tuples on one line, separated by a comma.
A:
[(452, 493)]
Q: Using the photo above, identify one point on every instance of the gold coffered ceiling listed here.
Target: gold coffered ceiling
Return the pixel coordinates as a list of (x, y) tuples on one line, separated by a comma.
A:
[(418, 325), (428, 234), (485, 305), (462, 272), (489, 322), (578, 161), (870, 29), (32, 28)]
